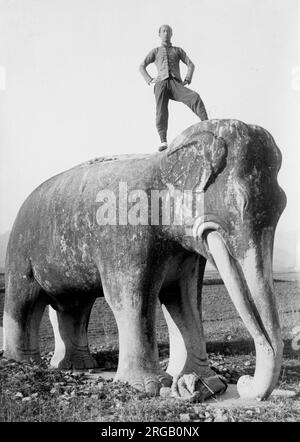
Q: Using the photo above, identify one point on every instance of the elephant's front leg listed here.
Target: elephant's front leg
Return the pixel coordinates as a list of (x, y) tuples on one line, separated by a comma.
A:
[(132, 296), (181, 303)]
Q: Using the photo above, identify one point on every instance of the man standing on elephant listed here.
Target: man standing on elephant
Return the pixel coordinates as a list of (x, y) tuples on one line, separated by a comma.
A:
[(168, 84)]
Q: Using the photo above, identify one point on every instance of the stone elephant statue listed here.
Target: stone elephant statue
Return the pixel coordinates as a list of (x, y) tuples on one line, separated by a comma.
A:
[(113, 227)]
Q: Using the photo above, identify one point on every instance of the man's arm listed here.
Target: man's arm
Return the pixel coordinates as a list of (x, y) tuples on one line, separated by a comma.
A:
[(190, 65), (150, 58)]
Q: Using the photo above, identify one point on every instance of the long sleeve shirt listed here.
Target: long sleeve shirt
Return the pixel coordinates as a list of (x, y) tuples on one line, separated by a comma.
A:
[(166, 59)]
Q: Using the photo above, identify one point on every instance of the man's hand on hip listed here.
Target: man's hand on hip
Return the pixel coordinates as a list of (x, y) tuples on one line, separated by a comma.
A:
[(186, 82)]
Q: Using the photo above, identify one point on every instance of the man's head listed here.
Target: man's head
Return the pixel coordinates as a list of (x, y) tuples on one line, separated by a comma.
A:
[(165, 32)]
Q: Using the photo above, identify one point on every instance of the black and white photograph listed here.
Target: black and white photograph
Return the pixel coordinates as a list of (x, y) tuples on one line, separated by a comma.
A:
[(149, 214)]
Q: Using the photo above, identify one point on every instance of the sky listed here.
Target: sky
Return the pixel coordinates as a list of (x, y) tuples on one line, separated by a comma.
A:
[(71, 90)]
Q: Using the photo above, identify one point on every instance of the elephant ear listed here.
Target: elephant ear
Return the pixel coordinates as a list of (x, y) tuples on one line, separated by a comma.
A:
[(195, 162)]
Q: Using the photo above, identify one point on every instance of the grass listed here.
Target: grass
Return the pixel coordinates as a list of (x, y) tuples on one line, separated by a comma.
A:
[(37, 393)]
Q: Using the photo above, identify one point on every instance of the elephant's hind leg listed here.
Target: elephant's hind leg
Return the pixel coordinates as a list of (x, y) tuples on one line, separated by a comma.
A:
[(70, 334), (25, 302)]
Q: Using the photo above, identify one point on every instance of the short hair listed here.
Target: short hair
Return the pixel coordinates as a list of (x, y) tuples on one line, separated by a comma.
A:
[(168, 26)]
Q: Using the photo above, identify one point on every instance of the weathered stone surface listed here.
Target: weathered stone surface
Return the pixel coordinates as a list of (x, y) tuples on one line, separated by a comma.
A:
[(61, 253), (231, 399), (165, 392)]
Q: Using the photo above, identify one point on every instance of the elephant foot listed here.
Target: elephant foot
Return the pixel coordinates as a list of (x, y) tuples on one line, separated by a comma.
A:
[(193, 387), (203, 371), (145, 381), (21, 356), (78, 360)]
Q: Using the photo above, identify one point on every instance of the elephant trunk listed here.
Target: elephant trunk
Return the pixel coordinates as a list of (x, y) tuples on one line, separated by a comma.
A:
[(249, 282)]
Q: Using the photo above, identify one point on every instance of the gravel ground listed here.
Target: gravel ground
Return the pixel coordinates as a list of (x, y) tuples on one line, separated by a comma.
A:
[(37, 393), (34, 392)]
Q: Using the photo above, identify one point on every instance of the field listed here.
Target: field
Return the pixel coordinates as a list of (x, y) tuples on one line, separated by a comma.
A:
[(37, 393)]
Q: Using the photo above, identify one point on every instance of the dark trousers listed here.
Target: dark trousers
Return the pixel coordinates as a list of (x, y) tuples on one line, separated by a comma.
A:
[(172, 89)]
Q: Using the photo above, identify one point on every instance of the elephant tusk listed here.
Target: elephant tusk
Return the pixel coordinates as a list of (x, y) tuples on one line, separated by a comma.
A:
[(259, 316), (200, 226)]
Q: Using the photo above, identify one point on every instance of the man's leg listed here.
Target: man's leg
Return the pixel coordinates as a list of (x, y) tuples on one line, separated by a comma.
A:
[(189, 97), (162, 114)]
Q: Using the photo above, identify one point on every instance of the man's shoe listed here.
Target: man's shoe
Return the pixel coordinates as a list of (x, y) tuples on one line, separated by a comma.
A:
[(163, 146)]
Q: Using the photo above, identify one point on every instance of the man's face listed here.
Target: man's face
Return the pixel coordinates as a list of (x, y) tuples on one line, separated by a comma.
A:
[(165, 33)]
